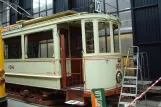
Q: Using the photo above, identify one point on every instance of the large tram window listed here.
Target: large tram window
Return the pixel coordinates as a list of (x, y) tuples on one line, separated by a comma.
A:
[(12, 48), (89, 37), (40, 45), (104, 34)]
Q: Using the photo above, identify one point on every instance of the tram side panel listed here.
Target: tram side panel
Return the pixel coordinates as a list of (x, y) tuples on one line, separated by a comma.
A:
[(33, 73), (102, 72)]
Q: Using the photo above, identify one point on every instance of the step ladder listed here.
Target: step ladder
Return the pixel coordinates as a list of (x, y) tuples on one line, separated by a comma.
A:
[(145, 65), (129, 89)]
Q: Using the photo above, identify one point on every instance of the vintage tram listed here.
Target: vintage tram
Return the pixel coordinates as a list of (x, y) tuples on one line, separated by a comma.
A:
[(63, 55)]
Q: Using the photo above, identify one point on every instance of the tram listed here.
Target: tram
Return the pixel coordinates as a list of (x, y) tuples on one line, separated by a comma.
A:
[(57, 57), (3, 100)]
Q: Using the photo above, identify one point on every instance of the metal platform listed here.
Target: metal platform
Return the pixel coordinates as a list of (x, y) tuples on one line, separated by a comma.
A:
[(140, 82)]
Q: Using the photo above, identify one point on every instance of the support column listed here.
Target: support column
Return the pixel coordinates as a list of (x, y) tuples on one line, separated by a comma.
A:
[(111, 37), (23, 46), (56, 53), (26, 46), (83, 36), (96, 36), (120, 47), (56, 43)]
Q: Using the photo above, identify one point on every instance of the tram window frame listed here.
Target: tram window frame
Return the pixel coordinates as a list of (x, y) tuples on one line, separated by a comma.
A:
[(102, 38), (11, 45), (115, 36), (91, 31), (47, 48), (39, 43)]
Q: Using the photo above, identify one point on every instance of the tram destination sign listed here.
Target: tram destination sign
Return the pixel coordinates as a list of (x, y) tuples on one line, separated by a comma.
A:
[(12, 27), (98, 97), (98, 6)]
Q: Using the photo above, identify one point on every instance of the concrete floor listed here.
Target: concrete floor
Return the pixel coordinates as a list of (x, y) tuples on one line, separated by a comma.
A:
[(16, 103)]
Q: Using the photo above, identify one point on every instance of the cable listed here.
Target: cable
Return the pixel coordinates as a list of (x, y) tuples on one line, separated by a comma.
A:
[(10, 5)]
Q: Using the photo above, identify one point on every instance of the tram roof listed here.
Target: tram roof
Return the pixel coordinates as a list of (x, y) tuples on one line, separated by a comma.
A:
[(23, 26)]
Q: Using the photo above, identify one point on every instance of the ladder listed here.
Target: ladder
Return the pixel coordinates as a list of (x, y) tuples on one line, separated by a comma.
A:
[(129, 89), (145, 65)]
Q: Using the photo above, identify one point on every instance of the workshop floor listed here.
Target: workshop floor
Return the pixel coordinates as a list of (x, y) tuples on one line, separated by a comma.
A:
[(16, 103)]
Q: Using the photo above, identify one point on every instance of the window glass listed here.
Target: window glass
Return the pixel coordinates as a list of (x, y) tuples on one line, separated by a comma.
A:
[(12, 48), (4, 16), (36, 15), (40, 45), (49, 12), (42, 8), (126, 21), (124, 4), (42, 5), (110, 6), (35, 6), (43, 14), (43, 50), (89, 37), (103, 36), (49, 4), (50, 49)]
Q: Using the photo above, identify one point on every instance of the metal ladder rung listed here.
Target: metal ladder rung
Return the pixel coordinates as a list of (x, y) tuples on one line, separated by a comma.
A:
[(128, 86), (128, 94), (130, 77), (123, 103)]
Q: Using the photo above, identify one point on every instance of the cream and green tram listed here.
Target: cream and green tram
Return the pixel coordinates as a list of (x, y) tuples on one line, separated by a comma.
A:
[(65, 52)]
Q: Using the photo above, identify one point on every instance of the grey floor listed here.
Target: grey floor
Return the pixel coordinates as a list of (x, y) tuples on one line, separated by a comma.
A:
[(16, 103)]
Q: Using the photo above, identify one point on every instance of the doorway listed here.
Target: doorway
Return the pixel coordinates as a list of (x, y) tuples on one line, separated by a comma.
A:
[(71, 56)]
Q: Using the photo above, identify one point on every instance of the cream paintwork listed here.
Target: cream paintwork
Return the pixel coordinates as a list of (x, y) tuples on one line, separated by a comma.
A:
[(100, 71), (51, 83), (39, 73)]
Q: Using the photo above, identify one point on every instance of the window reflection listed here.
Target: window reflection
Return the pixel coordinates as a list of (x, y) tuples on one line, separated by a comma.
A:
[(42, 5), (126, 24), (49, 4), (124, 4), (42, 8), (35, 6)]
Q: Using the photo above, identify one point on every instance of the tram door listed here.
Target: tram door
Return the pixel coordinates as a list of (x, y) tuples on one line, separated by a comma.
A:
[(71, 54)]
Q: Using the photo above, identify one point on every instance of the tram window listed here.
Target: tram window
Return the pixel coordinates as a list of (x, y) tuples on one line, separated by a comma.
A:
[(116, 39), (40, 45), (12, 48), (104, 33), (46, 49), (89, 37)]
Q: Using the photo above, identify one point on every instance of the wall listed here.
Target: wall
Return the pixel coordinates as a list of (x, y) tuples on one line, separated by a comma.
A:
[(146, 16)]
